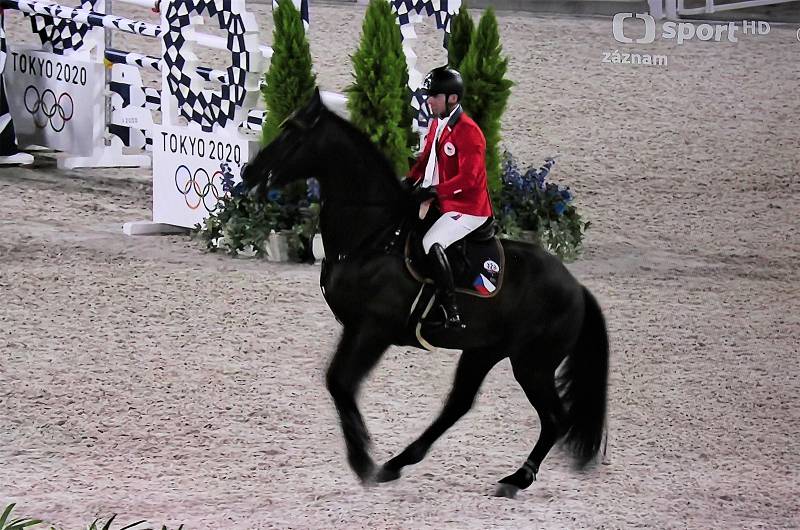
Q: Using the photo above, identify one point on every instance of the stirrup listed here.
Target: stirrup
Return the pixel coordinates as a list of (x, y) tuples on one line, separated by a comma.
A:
[(452, 318), (455, 322)]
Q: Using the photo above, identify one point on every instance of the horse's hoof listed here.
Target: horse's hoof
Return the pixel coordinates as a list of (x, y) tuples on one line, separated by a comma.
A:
[(368, 481), (509, 491), (385, 474), (365, 471)]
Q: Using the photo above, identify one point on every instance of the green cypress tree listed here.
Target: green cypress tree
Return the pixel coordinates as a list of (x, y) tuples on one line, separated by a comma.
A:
[(412, 138), (290, 80), (461, 29), (379, 96), (487, 92)]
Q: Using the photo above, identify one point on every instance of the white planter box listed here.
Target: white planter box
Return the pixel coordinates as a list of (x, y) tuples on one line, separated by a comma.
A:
[(278, 247), (317, 248)]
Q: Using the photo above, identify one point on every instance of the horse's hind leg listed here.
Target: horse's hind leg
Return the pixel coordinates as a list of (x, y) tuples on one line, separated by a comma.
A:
[(356, 355), (539, 386), (470, 373)]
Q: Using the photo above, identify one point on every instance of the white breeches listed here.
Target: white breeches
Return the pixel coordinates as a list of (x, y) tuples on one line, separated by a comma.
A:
[(449, 228)]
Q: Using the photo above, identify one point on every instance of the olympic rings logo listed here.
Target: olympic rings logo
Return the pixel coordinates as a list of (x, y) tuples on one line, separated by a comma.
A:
[(49, 109), (198, 188)]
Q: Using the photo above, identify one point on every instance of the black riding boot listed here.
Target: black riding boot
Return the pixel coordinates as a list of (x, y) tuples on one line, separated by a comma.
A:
[(444, 281)]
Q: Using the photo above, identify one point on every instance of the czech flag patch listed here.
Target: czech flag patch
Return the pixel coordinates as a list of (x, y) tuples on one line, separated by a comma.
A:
[(483, 285)]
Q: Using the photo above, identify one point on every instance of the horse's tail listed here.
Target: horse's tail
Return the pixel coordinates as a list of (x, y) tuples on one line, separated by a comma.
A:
[(582, 383)]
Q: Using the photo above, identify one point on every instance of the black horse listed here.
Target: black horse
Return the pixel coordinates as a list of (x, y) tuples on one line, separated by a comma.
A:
[(547, 323)]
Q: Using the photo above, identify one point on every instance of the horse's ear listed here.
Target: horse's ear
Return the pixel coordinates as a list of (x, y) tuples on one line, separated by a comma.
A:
[(316, 104)]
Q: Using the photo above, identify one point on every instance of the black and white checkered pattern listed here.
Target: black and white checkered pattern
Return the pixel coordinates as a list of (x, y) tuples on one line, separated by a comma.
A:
[(152, 99), (436, 8), (115, 56), (150, 62), (199, 105), (408, 11), (255, 120), (63, 35), (64, 29), (8, 141), (2, 41)]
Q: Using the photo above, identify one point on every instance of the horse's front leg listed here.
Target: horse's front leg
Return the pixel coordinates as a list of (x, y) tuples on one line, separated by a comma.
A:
[(473, 366), (358, 352)]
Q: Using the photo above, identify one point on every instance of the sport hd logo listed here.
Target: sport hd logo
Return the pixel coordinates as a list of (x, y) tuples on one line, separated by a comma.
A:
[(685, 31), (680, 32)]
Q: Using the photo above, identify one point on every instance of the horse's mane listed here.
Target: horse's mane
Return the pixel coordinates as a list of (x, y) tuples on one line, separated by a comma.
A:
[(379, 162)]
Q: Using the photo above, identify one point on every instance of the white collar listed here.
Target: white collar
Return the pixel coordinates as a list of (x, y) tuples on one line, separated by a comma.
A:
[(447, 119)]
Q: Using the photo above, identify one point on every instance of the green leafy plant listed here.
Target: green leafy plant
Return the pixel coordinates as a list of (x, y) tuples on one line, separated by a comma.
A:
[(97, 524), (379, 98), (15, 524), (290, 81), (107, 525), (486, 92), (462, 28), (242, 224), (302, 234), (540, 211)]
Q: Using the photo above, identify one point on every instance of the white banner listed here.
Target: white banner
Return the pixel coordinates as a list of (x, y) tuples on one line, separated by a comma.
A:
[(192, 170), (56, 101)]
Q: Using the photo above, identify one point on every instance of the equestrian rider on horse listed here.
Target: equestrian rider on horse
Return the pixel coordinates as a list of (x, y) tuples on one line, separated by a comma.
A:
[(452, 170)]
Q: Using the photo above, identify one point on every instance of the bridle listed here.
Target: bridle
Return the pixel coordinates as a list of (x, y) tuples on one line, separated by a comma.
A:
[(300, 126), (292, 119)]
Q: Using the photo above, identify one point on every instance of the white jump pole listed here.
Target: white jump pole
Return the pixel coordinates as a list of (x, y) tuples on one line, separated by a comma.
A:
[(89, 18)]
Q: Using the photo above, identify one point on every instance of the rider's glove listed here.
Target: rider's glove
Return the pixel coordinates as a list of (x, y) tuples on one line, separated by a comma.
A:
[(421, 194), (407, 183)]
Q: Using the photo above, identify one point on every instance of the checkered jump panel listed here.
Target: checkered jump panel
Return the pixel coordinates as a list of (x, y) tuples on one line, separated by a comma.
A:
[(411, 11), (63, 35), (406, 9), (206, 107)]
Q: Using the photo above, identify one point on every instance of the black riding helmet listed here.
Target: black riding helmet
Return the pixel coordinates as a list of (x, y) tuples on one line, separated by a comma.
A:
[(443, 80)]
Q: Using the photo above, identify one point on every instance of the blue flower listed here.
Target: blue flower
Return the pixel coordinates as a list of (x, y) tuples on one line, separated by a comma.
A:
[(566, 195), (227, 178), (238, 190), (313, 193), (559, 207), (274, 195)]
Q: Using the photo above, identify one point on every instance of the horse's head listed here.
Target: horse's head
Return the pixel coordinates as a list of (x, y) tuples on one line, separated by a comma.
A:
[(315, 142), (291, 155)]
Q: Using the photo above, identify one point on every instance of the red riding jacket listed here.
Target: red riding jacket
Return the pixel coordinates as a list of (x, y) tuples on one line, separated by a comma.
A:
[(461, 156)]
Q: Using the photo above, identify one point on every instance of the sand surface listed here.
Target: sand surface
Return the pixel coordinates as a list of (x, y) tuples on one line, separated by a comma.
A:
[(144, 377)]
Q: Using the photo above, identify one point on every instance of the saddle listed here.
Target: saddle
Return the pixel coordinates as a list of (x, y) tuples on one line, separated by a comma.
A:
[(477, 261)]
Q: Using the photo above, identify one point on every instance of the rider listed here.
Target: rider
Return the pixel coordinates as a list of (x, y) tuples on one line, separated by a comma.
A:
[(453, 173)]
